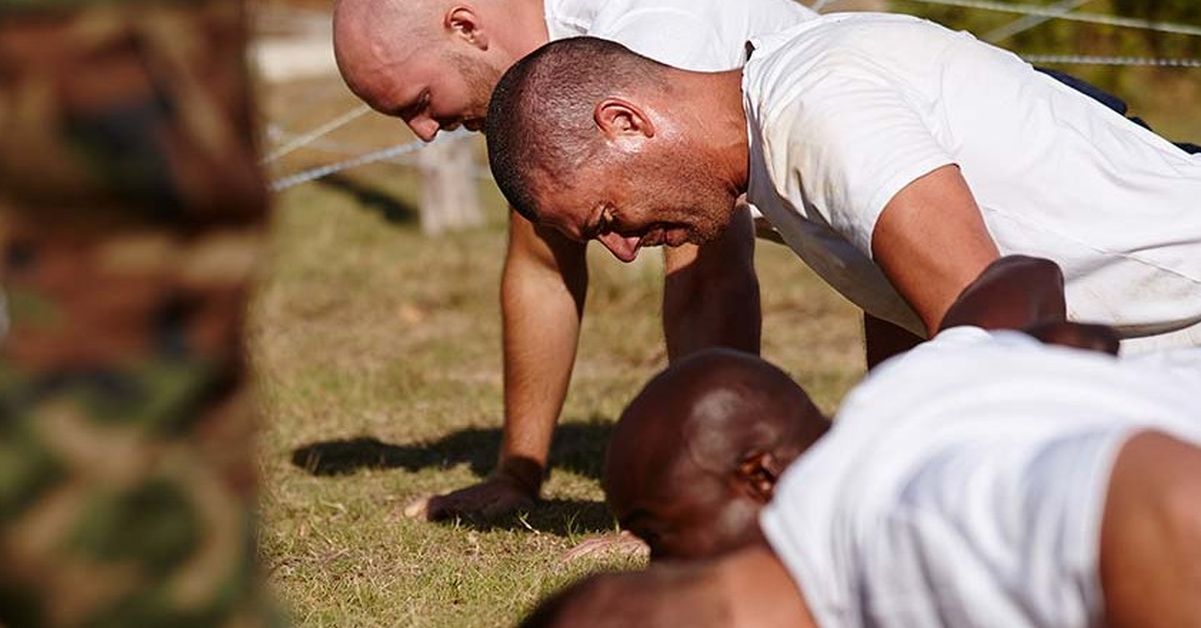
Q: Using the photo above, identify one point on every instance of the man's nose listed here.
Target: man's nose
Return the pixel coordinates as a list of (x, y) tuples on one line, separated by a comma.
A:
[(624, 248), (424, 128)]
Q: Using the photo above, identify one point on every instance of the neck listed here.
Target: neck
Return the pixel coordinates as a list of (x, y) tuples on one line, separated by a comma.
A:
[(526, 26), (724, 123), (761, 592)]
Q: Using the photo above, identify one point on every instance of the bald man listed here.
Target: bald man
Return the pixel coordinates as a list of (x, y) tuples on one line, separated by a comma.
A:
[(696, 454), (433, 63), (897, 158), (983, 479)]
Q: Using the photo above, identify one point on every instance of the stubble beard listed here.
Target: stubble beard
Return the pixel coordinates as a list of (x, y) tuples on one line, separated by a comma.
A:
[(480, 79)]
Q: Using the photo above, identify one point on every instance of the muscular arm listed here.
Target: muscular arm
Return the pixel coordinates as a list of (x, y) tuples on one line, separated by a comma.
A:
[(933, 245), (1151, 535), (714, 300), (711, 296), (542, 298), (931, 242)]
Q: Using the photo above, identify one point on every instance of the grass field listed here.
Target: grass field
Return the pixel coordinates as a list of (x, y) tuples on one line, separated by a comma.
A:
[(380, 350), (378, 353)]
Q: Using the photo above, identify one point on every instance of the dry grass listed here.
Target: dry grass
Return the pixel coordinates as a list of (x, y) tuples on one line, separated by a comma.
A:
[(381, 349), (366, 330)]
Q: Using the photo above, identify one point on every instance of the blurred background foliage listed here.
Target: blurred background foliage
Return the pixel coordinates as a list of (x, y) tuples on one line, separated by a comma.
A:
[(1168, 97)]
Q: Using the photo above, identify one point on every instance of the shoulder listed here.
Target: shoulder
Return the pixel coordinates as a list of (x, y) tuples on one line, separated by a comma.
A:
[(865, 41)]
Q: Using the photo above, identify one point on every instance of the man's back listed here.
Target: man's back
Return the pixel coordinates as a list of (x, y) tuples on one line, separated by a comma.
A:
[(702, 35), (863, 105), (964, 481)]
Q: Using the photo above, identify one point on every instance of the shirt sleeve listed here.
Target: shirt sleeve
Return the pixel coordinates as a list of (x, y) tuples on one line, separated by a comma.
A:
[(846, 143), (674, 37)]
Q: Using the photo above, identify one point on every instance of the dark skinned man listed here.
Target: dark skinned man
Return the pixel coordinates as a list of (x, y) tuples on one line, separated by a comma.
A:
[(982, 479)]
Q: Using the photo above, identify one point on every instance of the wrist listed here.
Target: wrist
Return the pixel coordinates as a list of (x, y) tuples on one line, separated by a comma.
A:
[(524, 473)]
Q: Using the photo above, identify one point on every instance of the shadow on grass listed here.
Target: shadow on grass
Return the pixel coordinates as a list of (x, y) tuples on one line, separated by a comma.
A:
[(391, 208), (578, 447), (560, 517)]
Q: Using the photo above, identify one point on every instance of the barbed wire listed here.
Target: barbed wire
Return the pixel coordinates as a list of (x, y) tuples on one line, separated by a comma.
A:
[(326, 145), (1124, 61), (1090, 18), (312, 174), (1027, 22), (306, 138), (1059, 11)]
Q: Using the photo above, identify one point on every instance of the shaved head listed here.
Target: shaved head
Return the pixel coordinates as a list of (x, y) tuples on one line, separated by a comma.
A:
[(371, 36), (696, 454), (543, 111), (432, 63), (601, 143)]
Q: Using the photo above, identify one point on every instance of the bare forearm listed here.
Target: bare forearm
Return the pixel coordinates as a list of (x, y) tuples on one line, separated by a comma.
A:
[(711, 297), (542, 294), (540, 333)]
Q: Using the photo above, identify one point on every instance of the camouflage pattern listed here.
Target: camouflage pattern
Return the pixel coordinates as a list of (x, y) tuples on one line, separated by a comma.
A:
[(132, 214)]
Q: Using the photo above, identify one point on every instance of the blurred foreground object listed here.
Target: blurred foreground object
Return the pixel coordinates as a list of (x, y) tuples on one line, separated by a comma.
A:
[(132, 214)]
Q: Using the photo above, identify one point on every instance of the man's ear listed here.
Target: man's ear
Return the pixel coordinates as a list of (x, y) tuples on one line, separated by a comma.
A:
[(620, 119), (465, 22), (758, 473)]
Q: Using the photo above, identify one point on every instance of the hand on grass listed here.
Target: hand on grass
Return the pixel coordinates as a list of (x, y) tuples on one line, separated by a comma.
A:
[(620, 543), (495, 497)]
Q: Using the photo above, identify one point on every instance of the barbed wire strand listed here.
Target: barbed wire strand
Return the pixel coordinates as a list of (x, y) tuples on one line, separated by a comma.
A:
[(1027, 22), (312, 174), (1123, 61), (394, 152), (1054, 12), (1090, 18), (303, 139)]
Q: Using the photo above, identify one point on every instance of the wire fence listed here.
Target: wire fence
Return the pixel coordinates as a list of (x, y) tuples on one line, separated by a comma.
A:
[(312, 174), (1032, 16), (1126, 61), (307, 138), (1027, 22), (1052, 12)]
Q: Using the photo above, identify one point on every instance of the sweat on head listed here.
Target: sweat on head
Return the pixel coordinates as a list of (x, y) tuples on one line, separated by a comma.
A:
[(601, 143), (542, 112), (697, 453)]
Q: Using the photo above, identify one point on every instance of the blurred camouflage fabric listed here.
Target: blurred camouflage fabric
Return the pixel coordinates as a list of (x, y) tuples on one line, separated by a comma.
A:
[(132, 214)]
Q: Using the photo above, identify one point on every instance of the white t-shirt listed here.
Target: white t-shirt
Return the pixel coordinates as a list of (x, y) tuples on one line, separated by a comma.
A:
[(963, 483), (700, 35), (844, 111)]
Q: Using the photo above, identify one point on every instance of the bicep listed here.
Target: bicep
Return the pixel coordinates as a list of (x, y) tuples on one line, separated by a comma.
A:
[(931, 242), (872, 163)]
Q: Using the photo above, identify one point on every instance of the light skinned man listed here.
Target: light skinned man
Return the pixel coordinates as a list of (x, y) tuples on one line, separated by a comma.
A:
[(433, 63), (897, 158)]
